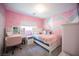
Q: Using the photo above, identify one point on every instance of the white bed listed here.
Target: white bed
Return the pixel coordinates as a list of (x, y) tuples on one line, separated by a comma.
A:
[(52, 40)]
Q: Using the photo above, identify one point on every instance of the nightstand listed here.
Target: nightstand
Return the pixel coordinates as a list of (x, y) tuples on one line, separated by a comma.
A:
[(30, 40)]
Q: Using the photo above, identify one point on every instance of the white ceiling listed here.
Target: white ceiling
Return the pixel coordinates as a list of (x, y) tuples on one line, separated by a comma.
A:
[(51, 8)]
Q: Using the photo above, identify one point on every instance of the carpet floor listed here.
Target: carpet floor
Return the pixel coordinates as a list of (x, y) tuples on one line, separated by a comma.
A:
[(33, 50)]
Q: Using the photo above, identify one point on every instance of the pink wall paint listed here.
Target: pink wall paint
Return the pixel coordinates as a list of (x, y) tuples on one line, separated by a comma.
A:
[(15, 19)]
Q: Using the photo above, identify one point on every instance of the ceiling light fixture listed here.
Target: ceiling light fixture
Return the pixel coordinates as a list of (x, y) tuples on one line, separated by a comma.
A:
[(40, 8)]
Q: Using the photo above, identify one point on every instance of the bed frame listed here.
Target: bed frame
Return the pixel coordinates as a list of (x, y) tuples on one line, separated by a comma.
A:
[(50, 48)]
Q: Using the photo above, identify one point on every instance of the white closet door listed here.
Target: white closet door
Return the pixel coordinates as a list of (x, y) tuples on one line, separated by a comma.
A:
[(70, 39), (2, 17)]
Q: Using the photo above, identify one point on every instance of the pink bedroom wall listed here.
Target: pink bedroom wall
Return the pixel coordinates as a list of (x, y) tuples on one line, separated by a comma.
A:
[(14, 19)]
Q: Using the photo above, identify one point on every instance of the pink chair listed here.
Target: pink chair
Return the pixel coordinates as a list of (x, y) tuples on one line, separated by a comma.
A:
[(12, 42)]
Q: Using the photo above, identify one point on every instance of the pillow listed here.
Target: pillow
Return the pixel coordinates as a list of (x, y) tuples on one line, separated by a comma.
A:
[(40, 33), (44, 32), (50, 32)]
